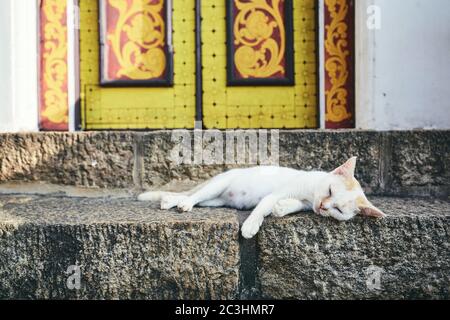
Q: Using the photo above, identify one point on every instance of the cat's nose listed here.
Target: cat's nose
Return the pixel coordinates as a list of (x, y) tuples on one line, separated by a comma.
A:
[(324, 206)]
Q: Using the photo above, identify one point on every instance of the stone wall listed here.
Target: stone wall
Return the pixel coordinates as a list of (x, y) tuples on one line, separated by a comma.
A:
[(390, 163)]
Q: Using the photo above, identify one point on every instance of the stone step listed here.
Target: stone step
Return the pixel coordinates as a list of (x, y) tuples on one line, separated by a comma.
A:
[(121, 248), (399, 163)]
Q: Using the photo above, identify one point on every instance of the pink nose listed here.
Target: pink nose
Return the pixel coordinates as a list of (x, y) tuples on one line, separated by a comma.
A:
[(321, 206)]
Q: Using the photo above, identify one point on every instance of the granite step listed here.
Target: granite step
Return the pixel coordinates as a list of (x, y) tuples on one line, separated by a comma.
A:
[(397, 163), (59, 247)]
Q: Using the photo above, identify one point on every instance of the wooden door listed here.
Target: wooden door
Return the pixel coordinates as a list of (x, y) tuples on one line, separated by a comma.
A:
[(137, 61), (260, 64)]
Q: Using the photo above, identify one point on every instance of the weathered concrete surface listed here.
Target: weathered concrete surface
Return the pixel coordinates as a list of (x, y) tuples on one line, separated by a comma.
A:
[(159, 167), (102, 159), (130, 250), (390, 163), (126, 250), (306, 150), (309, 257), (420, 163), (318, 150), (35, 188)]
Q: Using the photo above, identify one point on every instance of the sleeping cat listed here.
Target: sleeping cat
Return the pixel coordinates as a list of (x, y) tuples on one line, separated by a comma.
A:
[(277, 191)]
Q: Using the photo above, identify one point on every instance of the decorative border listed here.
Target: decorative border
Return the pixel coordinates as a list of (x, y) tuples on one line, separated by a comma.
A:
[(53, 73), (339, 64), (165, 81), (289, 79), (198, 63)]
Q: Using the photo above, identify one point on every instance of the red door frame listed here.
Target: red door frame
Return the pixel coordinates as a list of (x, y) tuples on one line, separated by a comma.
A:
[(339, 64)]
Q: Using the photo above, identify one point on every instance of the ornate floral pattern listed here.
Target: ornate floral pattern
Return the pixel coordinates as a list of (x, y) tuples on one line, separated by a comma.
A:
[(259, 38), (337, 67), (53, 51), (136, 39)]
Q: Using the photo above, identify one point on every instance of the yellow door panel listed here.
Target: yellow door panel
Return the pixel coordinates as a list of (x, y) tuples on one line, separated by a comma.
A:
[(143, 107), (223, 106), (259, 106)]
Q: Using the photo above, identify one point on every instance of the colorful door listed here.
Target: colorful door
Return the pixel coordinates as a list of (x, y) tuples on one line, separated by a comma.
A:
[(137, 66), (264, 74), (258, 58)]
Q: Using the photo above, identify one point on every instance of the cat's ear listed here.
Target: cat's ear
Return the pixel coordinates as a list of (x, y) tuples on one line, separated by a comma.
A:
[(369, 210), (347, 169)]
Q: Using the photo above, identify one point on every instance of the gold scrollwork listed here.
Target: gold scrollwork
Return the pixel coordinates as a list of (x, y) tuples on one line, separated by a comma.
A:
[(253, 36), (336, 66), (54, 55), (141, 57)]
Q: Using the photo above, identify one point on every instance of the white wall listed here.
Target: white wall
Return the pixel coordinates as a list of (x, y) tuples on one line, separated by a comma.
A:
[(6, 114), (403, 69), (18, 66)]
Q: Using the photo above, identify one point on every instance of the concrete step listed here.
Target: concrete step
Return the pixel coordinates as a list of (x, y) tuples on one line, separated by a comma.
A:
[(400, 163), (120, 248)]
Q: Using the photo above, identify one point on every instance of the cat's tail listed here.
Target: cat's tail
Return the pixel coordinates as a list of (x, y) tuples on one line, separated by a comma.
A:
[(155, 196), (152, 196)]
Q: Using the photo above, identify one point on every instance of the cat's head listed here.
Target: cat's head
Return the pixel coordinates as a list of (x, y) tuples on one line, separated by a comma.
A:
[(340, 195)]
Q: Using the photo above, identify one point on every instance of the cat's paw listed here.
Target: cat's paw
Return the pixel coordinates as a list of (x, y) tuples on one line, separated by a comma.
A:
[(170, 201), (185, 205), (284, 207), (250, 227)]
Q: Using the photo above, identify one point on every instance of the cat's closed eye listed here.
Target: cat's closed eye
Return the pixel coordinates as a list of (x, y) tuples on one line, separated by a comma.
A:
[(330, 193), (337, 208)]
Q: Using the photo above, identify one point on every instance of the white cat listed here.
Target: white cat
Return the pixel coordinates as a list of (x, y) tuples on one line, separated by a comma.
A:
[(277, 191)]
